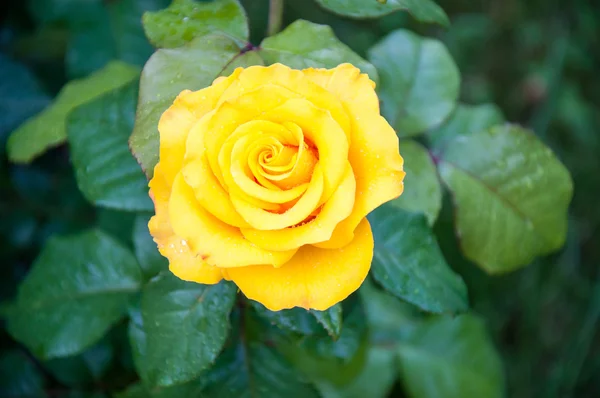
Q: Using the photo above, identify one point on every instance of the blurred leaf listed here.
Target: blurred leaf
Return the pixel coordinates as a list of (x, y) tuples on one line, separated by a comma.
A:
[(138, 339), (113, 31), (451, 358), (421, 10), (48, 128), (419, 81), (83, 369), (119, 224), (107, 173), (422, 188), (304, 44), (186, 325), (330, 319), (48, 11), (146, 250), (188, 390), (185, 20), (408, 262), (511, 196), (20, 96), (19, 377), (323, 359), (170, 71), (464, 121), (375, 380), (252, 369), (78, 287), (389, 319)]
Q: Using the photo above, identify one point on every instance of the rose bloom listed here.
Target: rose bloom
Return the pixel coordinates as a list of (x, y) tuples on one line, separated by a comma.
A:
[(265, 179)]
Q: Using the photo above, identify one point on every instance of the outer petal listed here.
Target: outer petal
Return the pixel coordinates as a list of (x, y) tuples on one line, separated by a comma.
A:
[(182, 262), (313, 279), (374, 155), (176, 122), (254, 77), (217, 243)]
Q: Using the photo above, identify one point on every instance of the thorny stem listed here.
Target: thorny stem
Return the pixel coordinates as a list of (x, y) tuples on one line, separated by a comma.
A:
[(275, 16)]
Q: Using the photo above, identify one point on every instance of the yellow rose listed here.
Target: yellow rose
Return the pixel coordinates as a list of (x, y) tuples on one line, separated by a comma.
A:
[(265, 179)]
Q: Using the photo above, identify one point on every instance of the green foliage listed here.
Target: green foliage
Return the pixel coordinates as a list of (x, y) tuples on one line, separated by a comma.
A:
[(185, 326), (409, 263), (49, 128), (422, 10), (465, 120), (19, 377), (422, 188), (67, 303), (450, 357), (111, 31), (106, 172), (305, 44), (184, 20), (500, 180), (167, 73), (419, 81), (102, 315), (20, 95), (148, 257)]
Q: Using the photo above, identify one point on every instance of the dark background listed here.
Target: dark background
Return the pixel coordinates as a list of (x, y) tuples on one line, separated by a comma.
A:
[(538, 60)]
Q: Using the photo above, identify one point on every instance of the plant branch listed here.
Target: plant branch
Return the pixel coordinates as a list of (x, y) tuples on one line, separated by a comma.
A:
[(275, 16)]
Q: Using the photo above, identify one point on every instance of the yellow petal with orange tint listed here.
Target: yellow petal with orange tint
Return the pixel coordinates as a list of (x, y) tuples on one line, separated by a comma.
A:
[(182, 262), (320, 130), (313, 279), (264, 220), (214, 241), (176, 121), (320, 229), (374, 152)]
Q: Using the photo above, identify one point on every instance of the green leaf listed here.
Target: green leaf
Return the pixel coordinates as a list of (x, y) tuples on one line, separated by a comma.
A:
[(299, 320), (375, 380), (422, 188), (186, 325), (78, 287), (119, 224), (138, 339), (113, 31), (185, 20), (330, 319), (146, 251), (451, 358), (170, 71), (419, 81), (465, 120), (409, 264), (107, 174), (323, 359), (188, 390), (20, 95), (304, 44), (83, 369), (252, 368), (48, 128), (389, 319), (511, 196), (421, 10), (19, 377)]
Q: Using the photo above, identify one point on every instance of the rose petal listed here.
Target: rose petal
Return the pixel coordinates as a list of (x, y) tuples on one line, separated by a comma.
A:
[(319, 229), (217, 243), (373, 153), (313, 279)]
